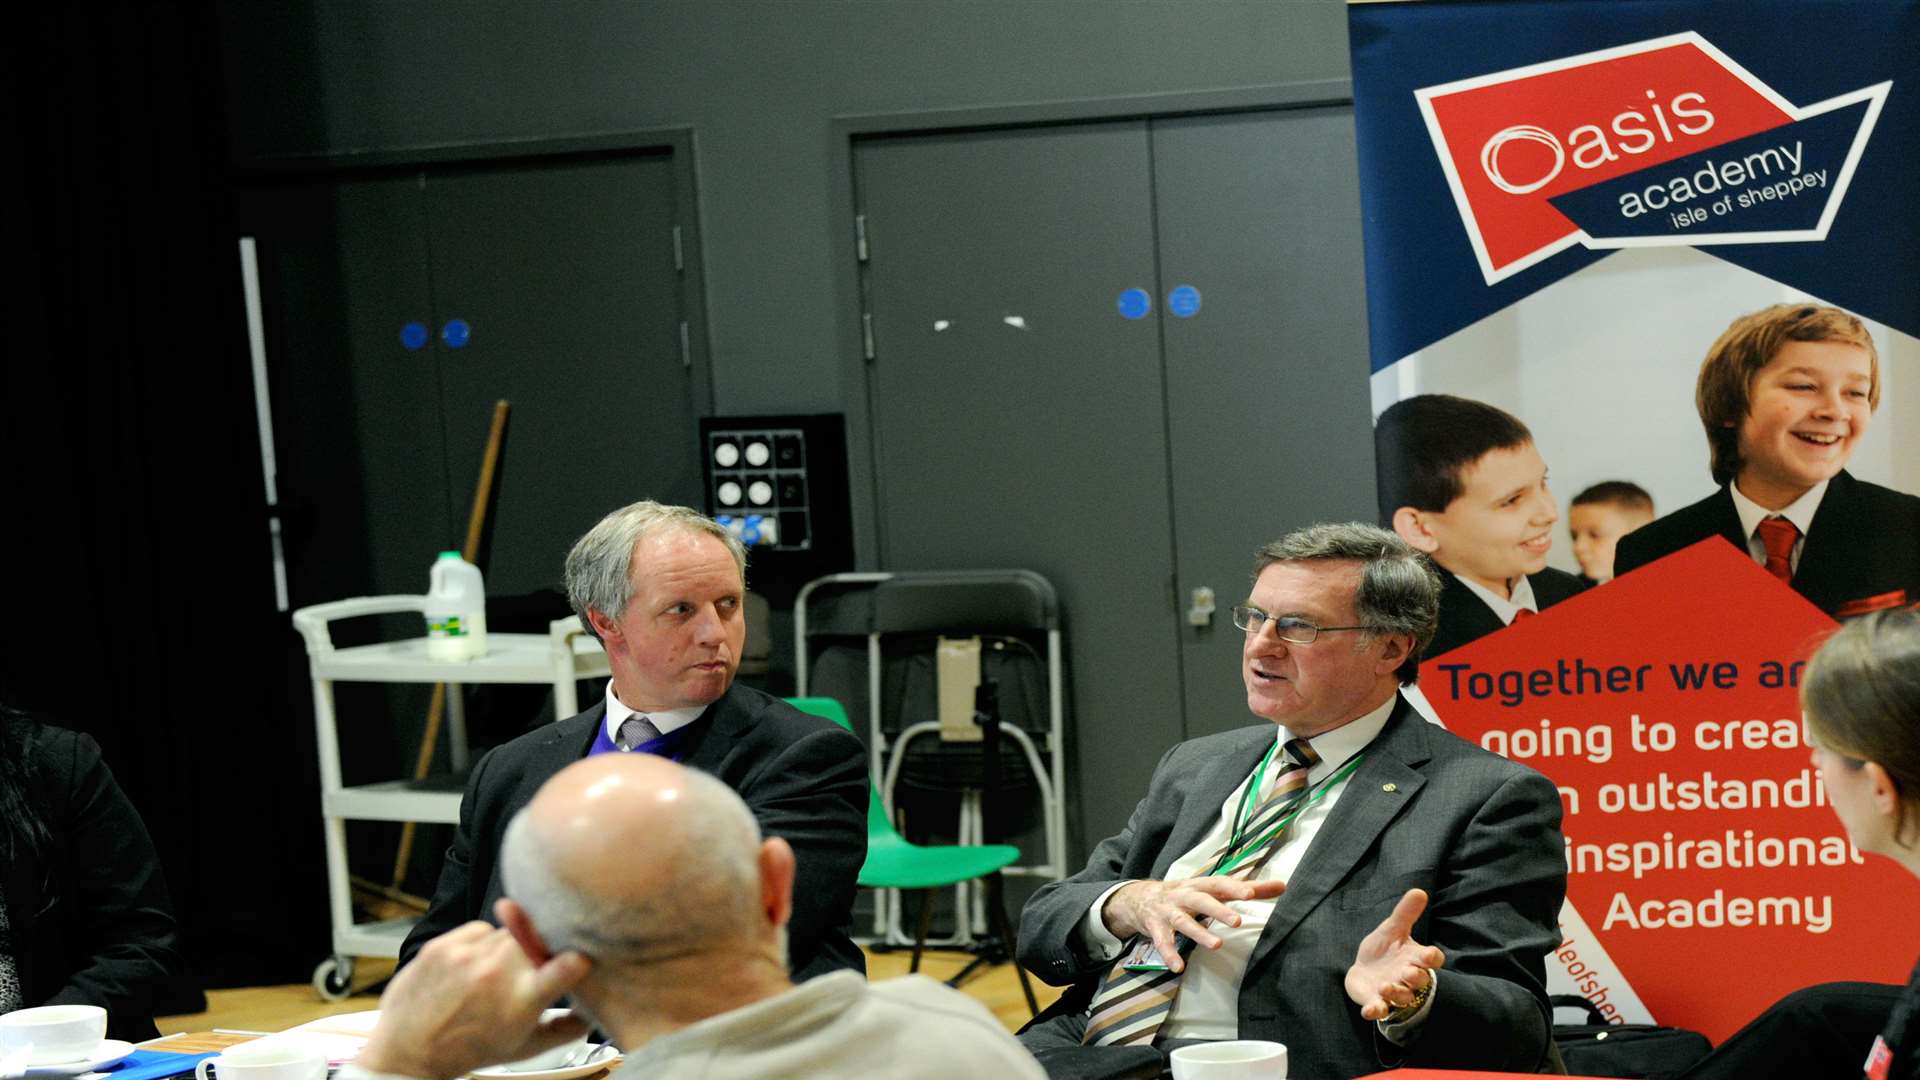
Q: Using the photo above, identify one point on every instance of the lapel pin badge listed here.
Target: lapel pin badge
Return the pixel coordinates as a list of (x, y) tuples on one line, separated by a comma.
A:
[(1389, 787)]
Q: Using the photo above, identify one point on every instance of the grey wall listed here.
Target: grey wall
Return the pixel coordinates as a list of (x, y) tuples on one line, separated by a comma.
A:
[(759, 82)]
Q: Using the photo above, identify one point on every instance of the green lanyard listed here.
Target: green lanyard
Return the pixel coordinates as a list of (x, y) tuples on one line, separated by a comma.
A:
[(1312, 795)]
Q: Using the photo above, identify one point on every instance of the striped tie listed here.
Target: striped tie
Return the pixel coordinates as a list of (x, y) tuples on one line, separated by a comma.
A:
[(1130, 1006)]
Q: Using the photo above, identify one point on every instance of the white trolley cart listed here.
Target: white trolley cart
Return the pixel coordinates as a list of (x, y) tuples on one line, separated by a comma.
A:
[(559, 657)]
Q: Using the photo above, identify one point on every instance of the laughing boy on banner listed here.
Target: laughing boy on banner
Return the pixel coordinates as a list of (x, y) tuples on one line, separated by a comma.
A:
[(1569, 205)]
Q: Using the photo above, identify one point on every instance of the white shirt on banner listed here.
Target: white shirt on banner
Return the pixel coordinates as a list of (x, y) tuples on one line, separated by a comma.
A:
[(1503, 606)]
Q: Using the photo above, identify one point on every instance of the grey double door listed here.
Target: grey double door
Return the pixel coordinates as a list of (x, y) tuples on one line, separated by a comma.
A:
[(1026, 409), (400, 304)]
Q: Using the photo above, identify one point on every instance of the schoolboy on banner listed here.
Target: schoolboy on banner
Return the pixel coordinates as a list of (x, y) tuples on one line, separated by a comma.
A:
[(1596, 520), (1785, 395), (1565, 202), (1462, 482)]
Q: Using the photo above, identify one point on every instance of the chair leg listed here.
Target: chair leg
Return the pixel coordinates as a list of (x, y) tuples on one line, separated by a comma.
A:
[(1003, 928), (920, 934)]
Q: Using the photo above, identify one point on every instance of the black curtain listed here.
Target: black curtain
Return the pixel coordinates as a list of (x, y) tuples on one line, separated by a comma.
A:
[(141, 606)]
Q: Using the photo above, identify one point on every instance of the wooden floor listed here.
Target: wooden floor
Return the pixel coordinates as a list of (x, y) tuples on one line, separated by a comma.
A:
[(276, 1008)]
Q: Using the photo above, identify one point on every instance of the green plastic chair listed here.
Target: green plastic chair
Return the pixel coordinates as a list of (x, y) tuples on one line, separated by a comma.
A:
[(894, 862)]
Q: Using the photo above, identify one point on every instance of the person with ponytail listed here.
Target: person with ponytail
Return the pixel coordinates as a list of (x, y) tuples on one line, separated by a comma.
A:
[(1862, 700), (1861, 697)]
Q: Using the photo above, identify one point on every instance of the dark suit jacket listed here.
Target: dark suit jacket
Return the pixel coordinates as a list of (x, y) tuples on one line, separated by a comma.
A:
[(1478, 832), (90, 922), (804, 778), (1464, 617), (1820, 1030), (1900, 1032), (1862, 552)]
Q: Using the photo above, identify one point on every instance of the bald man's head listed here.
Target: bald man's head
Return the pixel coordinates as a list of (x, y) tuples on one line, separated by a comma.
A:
[(630, 858)]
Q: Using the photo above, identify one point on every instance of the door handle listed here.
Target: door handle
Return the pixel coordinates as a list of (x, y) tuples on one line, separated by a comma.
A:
[(1200, 606)]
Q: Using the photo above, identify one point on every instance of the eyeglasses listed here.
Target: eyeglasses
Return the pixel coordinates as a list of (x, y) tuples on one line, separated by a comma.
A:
[(1289, 629)]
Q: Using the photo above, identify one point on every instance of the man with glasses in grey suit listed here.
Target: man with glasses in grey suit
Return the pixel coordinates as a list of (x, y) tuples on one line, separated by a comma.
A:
[(1345, 878)]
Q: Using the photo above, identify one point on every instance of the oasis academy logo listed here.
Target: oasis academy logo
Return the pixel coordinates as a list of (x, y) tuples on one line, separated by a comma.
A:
[(1659, 142)]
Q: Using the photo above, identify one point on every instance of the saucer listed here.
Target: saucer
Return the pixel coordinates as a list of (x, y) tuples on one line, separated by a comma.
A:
[(569, 1072), (106, 1053)]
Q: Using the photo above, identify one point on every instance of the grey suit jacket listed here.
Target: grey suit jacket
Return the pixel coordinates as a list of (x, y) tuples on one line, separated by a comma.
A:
[(1425, 809)]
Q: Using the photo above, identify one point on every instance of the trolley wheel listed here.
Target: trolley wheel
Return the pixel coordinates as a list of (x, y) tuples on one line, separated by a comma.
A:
[(333, 979)]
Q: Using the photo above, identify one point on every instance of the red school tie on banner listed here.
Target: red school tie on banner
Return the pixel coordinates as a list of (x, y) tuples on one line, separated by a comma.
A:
[(1777, 536)]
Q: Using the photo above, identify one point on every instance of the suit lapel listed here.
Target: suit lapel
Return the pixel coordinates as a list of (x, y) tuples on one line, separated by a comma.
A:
[(1820, 576), (1364, 811), (1464, 617), (560, 744), (1208, 792), (1725, 519), (1551, 588), (716, 733), (567, 741)]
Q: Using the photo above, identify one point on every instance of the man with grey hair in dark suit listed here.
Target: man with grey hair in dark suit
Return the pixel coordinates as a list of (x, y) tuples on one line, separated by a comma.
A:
[(663, 588), (1344, 877)]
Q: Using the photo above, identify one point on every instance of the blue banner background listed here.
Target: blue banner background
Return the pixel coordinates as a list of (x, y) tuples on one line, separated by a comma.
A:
[(1423, 282)]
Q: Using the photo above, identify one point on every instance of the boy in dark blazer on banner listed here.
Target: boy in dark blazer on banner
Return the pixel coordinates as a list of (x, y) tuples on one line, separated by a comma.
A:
[(1463, 482), (1785, 395)]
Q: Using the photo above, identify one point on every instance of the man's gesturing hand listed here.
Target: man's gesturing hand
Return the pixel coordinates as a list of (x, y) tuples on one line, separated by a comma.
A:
[(1162, 909), (1390, 968), (471, 998)]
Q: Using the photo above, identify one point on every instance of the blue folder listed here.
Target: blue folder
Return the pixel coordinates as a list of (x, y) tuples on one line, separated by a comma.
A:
[(154, 1065)]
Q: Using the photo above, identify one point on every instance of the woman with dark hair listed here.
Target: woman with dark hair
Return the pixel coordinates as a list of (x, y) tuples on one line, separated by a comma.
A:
[(1861, 696), (84, 918)]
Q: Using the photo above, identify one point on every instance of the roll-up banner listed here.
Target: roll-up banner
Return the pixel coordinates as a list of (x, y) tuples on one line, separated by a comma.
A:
[(1640, 276)]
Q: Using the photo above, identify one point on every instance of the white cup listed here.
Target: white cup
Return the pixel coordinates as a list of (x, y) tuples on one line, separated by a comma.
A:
[(1236, 1059), (550, 1059), (265, 1060), (56, 1033)]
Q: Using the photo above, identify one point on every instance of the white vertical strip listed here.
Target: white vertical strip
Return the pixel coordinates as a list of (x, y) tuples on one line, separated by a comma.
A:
[(262, 410), (1396, 382)]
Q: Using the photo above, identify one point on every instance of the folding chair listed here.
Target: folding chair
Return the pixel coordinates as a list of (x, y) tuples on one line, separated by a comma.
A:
[(893, 862)]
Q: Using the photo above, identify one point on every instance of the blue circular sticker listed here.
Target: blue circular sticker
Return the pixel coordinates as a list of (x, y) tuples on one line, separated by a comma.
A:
[(1184, 301), (1135, 304), (456, 333), (413, 335)]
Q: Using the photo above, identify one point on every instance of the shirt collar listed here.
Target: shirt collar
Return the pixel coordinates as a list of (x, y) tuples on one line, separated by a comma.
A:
[(1800, 511), (1336, 747), (1504, 606), (666, 720)]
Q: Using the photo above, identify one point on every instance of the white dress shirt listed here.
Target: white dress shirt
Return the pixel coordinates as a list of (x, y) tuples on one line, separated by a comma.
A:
[(665, 720), (1800, 511), (1505, 606), (1208, 1006)]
